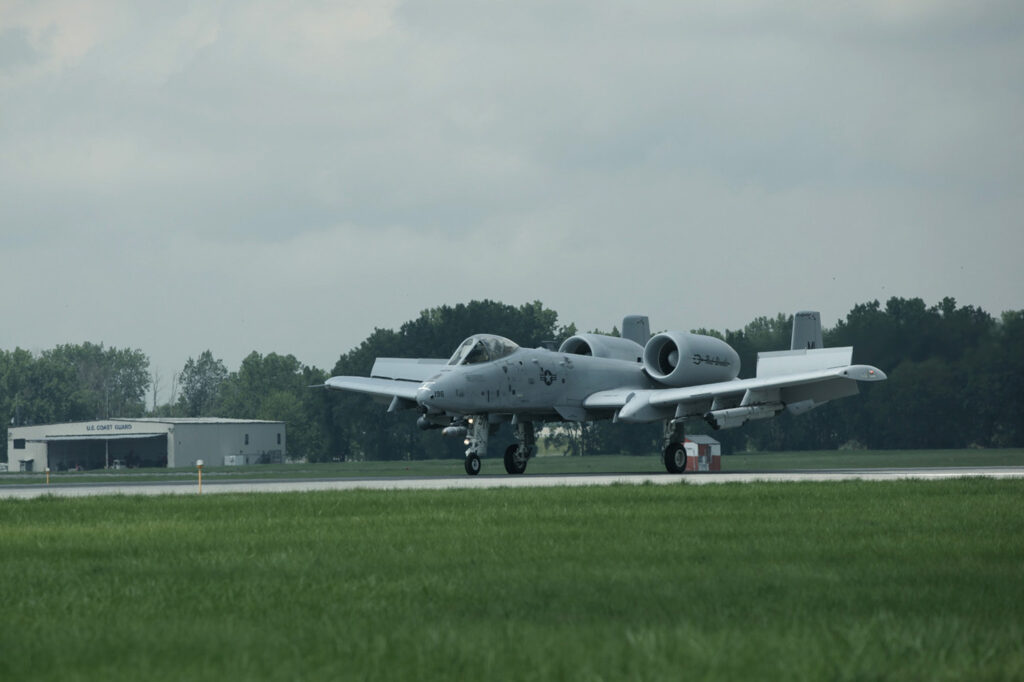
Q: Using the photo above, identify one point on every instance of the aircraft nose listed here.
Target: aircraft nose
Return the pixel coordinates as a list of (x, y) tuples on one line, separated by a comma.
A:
[(431, 395)]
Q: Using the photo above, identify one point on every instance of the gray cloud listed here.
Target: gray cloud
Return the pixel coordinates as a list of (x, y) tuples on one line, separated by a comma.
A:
[(16, 49)]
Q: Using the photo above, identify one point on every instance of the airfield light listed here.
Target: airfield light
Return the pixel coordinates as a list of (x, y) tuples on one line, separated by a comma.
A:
[(199, 465)]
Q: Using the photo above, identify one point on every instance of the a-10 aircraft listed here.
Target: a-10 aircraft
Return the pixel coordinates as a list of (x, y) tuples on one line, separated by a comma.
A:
[(671, 377)]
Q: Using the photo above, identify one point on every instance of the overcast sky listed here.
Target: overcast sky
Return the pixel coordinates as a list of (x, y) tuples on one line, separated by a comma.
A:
[(240, 176)]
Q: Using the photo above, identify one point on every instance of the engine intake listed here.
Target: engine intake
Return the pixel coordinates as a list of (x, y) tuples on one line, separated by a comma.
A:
[(679, 359)]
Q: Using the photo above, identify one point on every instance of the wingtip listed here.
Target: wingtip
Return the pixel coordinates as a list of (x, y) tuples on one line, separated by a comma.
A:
[(864, 373)]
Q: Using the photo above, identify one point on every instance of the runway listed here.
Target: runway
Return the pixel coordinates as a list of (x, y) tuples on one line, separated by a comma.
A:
[(216, 487)]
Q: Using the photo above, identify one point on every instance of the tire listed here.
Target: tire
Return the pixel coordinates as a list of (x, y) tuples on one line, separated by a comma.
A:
[(675, 458), (514, 462), (472, 465)]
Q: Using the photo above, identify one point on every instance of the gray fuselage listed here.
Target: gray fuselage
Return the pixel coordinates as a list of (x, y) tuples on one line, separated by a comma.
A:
[(528, 381)]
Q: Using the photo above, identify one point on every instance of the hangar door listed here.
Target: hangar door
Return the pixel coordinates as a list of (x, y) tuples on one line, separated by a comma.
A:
[(97, 452)]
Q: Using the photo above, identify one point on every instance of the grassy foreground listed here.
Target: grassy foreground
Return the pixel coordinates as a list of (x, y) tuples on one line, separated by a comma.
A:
[(798, 581)]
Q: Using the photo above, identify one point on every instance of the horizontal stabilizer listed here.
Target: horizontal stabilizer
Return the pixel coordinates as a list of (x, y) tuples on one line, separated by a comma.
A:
[(382, 388), (406, 369), (780, 363)]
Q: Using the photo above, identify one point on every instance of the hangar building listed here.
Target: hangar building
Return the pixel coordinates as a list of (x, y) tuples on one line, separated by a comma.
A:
[(153, 442)]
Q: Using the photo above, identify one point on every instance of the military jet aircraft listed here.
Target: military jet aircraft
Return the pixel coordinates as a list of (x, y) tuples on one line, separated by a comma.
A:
[(671, 377)]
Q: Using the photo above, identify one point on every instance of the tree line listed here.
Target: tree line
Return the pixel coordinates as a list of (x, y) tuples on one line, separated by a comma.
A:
[(955, 377)]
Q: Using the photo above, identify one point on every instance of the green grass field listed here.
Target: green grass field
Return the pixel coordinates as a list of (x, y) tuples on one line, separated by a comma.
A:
[(796, 581)]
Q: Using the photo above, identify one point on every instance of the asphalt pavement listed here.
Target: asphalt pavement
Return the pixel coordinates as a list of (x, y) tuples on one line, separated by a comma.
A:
[(216, 487)]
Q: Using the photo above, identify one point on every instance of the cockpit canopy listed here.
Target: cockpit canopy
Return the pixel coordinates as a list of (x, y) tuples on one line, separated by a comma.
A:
[(482, 348)]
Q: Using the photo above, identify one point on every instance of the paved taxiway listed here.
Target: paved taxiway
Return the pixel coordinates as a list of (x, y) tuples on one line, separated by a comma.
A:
[(500, 481)]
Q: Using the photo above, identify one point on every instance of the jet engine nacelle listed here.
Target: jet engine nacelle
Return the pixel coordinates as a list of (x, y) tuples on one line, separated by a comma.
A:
[(601, 346), (679, 359)]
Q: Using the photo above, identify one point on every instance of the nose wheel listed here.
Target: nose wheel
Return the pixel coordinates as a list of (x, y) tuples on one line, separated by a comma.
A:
[(479, 431)]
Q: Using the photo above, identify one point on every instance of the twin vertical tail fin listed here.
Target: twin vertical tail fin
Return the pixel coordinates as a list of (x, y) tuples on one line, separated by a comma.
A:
[(636, 328), (806, 331)]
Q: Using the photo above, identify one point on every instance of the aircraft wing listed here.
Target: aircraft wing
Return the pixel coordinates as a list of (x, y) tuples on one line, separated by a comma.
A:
[(383, 388), (798, 392)]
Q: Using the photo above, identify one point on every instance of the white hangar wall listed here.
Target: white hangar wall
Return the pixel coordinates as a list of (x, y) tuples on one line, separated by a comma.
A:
[(226, 442)]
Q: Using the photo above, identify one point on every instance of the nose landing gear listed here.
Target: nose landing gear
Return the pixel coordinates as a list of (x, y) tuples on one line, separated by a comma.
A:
[(476, 439)]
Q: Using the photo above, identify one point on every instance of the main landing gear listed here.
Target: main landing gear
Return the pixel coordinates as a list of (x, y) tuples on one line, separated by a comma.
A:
[(516, 455), (675, 453)]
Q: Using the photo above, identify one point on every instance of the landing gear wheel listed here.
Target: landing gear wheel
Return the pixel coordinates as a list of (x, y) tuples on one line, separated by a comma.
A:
[(515, 459), (675, 458), (472, 465)]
